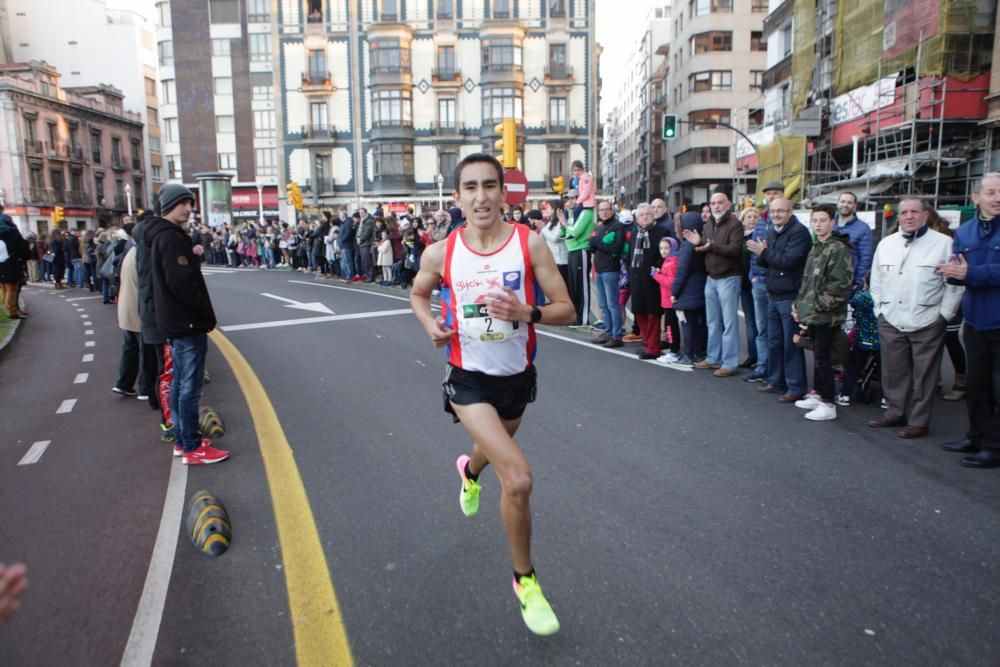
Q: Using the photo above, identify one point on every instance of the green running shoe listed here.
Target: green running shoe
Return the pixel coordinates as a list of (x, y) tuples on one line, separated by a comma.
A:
[(468, 499), (535, 609)]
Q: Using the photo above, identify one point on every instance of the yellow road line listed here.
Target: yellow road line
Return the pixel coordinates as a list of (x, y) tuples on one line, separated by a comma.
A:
[(320, 637)]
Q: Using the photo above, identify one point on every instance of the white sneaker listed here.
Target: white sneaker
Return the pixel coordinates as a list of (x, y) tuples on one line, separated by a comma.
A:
[(808, 403), (143, 397), (822, 413), (843, 401), (885, 404), (668, 358)]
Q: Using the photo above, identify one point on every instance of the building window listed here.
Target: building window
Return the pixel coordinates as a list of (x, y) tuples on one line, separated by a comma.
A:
[(98, 189), (166, 51), (710, 116), (711, 80), (220, 47), (58, 178), (262, 85), (259, 11), (163, 13), (557, 61), (392, 108), (317, 65), (260, 46), (557, 163), (786, 39), (137, 192), (264, 162), (170, 130), (501, 9), (756, 79), (150, 86), (704, 7), (446, 113), (758, 6), (704, 155), (501, 54), (224, 125), (157, 171), (389, 56), (557, 8), (318, 116), (557, 114), (154, 143), (74, 136), (224, 11), (323, 172), (136, 156), (174, 169), (711, 41), (757, 42), (263, 124), (446, 62), (315, 11), (500, 103), (447, 161), (393, 160), (227, 160), (76, 181), (95, 146), (390, 10), (223, 85), (446, 9)]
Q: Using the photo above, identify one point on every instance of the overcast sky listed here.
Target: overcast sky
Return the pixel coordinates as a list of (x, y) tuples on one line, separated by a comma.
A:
[(619, 27)]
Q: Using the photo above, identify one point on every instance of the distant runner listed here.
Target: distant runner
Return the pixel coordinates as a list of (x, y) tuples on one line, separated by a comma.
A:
[(488, 272)]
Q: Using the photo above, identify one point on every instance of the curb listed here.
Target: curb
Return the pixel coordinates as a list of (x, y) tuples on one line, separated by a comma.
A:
[(7, 343)]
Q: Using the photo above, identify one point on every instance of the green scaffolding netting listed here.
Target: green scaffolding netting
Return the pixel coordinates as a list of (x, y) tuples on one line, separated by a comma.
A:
[(781, 160)]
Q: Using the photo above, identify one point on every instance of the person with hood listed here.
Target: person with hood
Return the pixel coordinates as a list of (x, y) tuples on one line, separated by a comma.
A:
[(457, 218), (821, 308), (645, 291), (688, 294), (184, 314), (129, 321), (157, 373), (607, 242), (13, 262)]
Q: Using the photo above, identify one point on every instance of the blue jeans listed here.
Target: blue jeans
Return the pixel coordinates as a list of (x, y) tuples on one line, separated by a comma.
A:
[(760, 303), (785, 360), (607, 297), (77, 275), (269, 256), (749, 321), (722, 297), (185, 391), (105, 290), (347, 261)]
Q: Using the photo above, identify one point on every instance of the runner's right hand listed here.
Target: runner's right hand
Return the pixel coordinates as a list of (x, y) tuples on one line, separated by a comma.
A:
[(440, 334)]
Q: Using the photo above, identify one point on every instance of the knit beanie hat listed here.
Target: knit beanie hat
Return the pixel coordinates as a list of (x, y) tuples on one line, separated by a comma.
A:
[(173, 194)]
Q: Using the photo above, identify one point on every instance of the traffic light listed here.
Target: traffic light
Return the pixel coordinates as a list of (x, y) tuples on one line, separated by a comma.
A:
[(559, 185), (57, 215), (669, 126), (294, 195), (507, 143)]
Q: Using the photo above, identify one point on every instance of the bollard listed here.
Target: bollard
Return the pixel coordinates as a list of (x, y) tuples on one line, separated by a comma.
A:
[(211, 423), (208, 524)]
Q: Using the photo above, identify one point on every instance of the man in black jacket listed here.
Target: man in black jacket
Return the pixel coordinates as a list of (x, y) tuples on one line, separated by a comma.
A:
[(366, 235), (184, 315), (15, 252), (783, 254)]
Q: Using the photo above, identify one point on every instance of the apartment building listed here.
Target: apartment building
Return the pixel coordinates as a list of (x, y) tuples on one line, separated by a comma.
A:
[(75, 148)]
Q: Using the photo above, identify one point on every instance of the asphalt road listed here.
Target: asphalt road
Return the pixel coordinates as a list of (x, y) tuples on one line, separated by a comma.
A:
[(678, 518)]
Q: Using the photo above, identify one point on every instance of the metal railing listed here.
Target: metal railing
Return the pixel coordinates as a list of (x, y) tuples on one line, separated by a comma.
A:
[(446, 129), (77, 197), (117, 163), (76, 153), (450, 74), (57, 149), (40, 195), (33, 147), (559, 72), (316, 78), (317, 131)]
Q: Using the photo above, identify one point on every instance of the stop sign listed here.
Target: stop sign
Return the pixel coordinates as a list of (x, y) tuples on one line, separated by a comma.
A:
[(517, 187)]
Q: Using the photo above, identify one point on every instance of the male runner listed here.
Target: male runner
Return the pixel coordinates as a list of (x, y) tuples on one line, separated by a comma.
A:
[(487, 271)]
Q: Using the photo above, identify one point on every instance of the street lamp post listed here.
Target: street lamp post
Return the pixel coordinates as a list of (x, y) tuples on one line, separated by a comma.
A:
[(260, 204), (621, 195), (440, 182), (128, 198)]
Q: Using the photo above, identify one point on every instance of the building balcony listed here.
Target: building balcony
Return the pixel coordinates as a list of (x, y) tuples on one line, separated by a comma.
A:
[(34, 147), (775, 75), (510, 74), (317, 82), (401, 130), (318, 186), (40, 195), (317, 132), (75, 154), (558, 128), (78, 197), (120, 202), (117, 163), (558, 74), (446, 76), (56, 150), (446, 129)]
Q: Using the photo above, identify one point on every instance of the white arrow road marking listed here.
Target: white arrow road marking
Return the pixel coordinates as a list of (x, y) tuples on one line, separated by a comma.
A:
[(315, 306), (34, 453)]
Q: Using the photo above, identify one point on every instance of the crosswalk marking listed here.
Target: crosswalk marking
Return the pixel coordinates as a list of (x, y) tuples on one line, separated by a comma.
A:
[(34, 453), (81, 378), (66, 406)]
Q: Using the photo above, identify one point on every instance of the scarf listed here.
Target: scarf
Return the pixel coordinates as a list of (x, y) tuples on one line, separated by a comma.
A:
[(641, 244)]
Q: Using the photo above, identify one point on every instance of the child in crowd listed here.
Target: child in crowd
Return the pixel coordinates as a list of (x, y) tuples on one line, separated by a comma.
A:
[(865, 343), (665, 277), (385, 258)]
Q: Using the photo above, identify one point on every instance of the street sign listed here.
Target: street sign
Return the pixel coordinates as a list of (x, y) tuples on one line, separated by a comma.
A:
[(517, 187)]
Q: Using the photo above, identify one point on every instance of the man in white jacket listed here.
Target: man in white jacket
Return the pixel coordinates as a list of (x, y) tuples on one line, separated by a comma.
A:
[(913, 303)]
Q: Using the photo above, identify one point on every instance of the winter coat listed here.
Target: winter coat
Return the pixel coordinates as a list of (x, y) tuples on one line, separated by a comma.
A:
[(722, 259), (979, 242), (607, 241), (72, 246), (860, 236), (784, 259), (144, 270), (645, 256), (348, 233), (557, 244), (366, 232), (384, 253), (826, 283), (128, 295), (665, 277), (183, 306), (12, 270), (690, 277), (577, 233)]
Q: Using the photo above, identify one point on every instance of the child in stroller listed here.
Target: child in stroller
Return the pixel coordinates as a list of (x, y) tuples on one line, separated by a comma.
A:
[(861, 376)]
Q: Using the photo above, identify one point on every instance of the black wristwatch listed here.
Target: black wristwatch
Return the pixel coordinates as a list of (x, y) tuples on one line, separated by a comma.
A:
[(536, 314)]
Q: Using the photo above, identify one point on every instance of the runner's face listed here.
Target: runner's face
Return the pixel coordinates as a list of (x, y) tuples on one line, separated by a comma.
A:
[(480, 195)]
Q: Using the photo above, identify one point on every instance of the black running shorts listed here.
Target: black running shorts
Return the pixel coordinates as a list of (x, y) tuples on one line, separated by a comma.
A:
[(509, 394)]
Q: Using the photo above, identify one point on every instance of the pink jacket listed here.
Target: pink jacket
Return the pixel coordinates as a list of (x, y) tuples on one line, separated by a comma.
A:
[(586, 190), (665, 276)]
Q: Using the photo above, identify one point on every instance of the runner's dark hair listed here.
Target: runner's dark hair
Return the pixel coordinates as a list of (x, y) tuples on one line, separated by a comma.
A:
[(476, 157)]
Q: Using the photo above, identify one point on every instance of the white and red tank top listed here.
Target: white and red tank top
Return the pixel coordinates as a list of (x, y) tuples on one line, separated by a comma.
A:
[(483, 343)]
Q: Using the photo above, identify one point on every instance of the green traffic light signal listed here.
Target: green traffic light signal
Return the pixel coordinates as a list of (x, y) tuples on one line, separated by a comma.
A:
[(669, 126)]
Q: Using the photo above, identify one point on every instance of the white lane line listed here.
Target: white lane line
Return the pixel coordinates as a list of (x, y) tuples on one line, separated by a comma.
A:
[(88, 332), (87, 358), (66, 406), (351, 289), (34, 453), (81, 378), (89, 343), (146, 625), (81, 298), (314, 320), (88, 323), (84, 316), (79, 310)]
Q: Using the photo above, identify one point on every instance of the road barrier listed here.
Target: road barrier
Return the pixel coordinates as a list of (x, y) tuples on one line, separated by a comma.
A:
[(208, 524), (211, 423)]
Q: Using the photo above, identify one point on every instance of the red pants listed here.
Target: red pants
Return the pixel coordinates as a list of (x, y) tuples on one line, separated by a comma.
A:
[(649, 329), (166, 379)]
